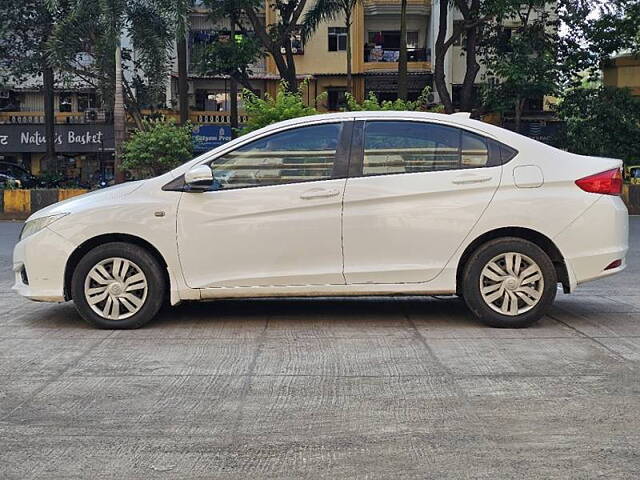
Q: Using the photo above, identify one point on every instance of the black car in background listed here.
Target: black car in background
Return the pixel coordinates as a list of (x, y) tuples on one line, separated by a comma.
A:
[(12, 175)]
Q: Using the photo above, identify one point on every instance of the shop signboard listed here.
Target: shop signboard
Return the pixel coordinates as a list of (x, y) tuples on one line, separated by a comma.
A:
[(68, 138), (207, 137)]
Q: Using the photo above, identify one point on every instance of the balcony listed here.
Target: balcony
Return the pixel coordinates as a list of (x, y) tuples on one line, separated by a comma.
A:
[(62, 118), (196, 117), (387, 58), (385, 7)]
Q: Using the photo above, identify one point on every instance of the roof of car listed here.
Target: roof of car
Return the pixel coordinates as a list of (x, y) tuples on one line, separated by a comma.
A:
[(459, 119)]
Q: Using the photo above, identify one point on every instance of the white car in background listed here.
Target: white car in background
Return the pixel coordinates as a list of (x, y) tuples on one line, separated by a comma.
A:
[(356, 203)]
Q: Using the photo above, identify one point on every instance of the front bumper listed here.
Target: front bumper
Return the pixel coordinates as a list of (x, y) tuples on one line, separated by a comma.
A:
[(39, 263)]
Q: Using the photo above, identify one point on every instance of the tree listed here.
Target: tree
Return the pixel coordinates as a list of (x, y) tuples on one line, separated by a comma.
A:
[(180, 10), (160, 147), (232, 58), (595, 31), (372, 103), (402, 60), (285, 105), (478, 17), (603, 121), (523, 61), (276, 38), (25, 31), (323, 10), (473, 19), (98, 30)]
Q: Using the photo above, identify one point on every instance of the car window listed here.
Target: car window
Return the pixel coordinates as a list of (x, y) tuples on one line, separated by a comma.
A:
[(406, 147), (474, 152), (297, 155)]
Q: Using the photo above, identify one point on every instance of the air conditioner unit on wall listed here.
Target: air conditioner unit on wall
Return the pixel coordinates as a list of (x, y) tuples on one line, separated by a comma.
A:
[(433, 98)]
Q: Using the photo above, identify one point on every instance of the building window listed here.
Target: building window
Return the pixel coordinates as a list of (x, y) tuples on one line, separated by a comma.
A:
[(297, 40), (337, 39), (87, 101), (65, 102), (458, 29), (384, 46), (336, 99)]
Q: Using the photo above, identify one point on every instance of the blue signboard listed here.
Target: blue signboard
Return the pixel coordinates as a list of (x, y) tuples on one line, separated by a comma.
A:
[(207, 137)]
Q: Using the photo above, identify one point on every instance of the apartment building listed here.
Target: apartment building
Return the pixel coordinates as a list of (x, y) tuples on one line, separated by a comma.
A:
[(321, 61), (85, 132), (623, 71)]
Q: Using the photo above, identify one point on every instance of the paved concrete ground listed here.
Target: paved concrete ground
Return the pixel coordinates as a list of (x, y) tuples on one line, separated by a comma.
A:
[(385, 388)]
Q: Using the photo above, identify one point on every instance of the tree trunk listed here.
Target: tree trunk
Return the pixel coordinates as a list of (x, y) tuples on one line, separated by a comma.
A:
[(519, 106), (349, 55), (183, 87), (402, 60), (233, 87), (467, 94), (48, 80), (285, 71), (439, 77), (119, 125)]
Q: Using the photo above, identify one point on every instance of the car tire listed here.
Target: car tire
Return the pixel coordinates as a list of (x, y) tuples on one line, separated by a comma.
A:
[(509, 283), (118, 285)]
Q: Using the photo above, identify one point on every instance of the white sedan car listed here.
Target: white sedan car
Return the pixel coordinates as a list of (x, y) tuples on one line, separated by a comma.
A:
[(364, 203)]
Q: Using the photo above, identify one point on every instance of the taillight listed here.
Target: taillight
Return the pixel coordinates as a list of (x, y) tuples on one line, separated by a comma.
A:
[(608, 183)]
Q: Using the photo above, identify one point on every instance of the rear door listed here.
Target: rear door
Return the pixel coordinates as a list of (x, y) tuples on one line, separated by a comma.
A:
[(415, 191)]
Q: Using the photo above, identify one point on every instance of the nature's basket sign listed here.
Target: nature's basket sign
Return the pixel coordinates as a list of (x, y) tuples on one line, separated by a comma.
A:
[(69, 138)]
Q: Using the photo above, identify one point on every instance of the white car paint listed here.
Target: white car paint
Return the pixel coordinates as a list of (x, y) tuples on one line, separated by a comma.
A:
[(388, 234)]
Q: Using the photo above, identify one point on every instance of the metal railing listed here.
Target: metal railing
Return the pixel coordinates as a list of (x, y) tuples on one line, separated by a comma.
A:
[(35, 118), (378, 55)]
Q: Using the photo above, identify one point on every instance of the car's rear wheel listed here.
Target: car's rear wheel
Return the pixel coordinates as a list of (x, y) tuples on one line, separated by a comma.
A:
[(118, 285), (509, 282)]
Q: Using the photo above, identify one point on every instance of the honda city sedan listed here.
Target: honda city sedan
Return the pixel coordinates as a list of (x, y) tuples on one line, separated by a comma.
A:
[(347, 204)]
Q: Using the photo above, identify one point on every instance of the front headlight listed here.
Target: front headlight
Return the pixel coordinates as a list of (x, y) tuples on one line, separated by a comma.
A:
[(34, 226)]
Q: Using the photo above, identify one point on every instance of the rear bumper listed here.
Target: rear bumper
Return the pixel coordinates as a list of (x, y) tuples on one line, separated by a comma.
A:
[(39, 262), (595, 239)]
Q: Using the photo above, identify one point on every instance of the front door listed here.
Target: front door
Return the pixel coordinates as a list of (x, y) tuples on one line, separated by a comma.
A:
[(418, 190), (273, 214)]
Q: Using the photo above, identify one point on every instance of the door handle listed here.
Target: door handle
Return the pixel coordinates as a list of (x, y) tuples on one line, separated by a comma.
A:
[(466, 179), (319, 193)]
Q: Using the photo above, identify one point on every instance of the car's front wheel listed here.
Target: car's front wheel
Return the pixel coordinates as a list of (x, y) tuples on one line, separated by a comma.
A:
[(118, 285), (509, 282)]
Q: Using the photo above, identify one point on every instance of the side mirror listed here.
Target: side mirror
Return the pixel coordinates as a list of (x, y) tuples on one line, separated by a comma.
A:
[(199, 177)]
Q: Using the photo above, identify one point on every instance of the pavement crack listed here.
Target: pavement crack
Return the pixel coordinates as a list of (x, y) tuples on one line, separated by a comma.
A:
[(247, 381)]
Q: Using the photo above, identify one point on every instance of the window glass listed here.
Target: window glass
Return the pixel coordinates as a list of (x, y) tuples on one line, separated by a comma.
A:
[(337, 39), (474, 153), (406, 147), (297, 155)]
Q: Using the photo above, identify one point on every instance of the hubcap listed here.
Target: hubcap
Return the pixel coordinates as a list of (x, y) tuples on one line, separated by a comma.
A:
[(511, 283), (116, 288)]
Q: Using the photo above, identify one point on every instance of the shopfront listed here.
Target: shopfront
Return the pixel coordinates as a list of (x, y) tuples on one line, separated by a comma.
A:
[(84, 152)]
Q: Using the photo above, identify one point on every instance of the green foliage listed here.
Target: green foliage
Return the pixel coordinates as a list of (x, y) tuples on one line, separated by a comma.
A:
[(523, 61), (371, 103), (160, 147), (231, 58), (97, 27), (285, 105), (24, 31), (602, 121)]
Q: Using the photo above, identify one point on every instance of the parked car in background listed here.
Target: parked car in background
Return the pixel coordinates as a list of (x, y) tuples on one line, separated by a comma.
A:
[(355, 203), (632, 174), (14, 176)]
